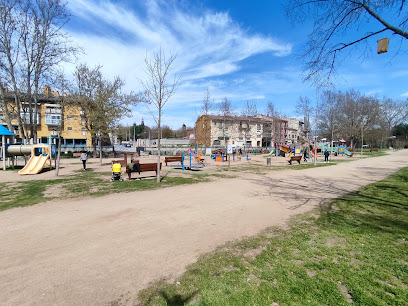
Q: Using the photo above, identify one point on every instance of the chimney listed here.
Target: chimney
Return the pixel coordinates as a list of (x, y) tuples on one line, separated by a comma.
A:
[(47, 91)]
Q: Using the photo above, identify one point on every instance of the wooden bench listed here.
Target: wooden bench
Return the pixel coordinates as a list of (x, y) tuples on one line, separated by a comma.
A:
[(295, 158), (170, 159), (374, 150), (123, 162), (76, 154), (143, 168)]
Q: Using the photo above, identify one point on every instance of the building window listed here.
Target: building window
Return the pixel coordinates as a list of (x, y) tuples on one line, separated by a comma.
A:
[(258, 126), (52, 110), (52, 119), (69, 129), (69, 118), (83, 121), (25, 116), (83, 132)]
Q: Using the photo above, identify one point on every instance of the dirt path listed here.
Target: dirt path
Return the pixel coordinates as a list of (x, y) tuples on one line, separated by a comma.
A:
[(94, 251)]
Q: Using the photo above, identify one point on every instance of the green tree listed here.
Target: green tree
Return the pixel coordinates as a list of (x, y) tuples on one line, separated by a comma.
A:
[(102, 101)]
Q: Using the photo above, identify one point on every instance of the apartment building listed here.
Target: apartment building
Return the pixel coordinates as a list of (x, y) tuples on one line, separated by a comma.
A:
[(257, 131), (74, 133), (294, 130)]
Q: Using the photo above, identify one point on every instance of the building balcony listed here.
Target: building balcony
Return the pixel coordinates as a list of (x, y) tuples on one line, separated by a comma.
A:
[(52, 122)]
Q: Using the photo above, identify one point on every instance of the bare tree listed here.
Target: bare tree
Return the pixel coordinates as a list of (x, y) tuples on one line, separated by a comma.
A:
[(392, 113), (357, 113), (32, 44), (225, 110), (250, 109), (206, 109), (9, 48), (61, 82), (329, 123), (45, 47), (158, 89), (271, 111), (335, 21), (305, 108)]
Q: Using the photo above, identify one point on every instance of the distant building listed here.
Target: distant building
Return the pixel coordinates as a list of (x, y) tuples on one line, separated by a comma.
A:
[(257, 131), (74, 133)]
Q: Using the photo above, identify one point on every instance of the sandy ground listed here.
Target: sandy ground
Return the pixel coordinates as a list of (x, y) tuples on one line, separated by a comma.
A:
[(98, 250)]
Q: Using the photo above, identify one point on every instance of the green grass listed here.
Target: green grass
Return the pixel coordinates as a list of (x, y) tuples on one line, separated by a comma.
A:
[(83, 183), (352, 250), (367, 153)]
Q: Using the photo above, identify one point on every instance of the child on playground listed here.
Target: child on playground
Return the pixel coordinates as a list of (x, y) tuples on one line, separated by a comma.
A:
[(84, 158), (326, 156)]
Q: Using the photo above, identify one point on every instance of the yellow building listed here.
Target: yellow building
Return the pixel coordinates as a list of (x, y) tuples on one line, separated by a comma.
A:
[(74, 133)]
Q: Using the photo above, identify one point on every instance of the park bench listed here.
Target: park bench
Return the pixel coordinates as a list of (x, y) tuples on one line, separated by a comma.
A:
[(76, 154), (374, 150), (170, 159), (123, 162), (295, 158), (141, 168)]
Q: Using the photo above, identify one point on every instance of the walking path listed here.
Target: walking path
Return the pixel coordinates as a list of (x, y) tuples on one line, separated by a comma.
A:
[(98, 250)]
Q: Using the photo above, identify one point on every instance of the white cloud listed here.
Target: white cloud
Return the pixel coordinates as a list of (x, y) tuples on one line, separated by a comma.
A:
[(405, 94), (374, 92), (210, 46)]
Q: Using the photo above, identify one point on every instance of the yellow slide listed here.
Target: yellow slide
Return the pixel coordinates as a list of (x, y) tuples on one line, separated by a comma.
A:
[(35, 164), (40, 153)]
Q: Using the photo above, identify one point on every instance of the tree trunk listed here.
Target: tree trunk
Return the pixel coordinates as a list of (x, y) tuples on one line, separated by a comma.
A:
[(94, 155), (57, 166), (30, 125), (362, 142), (6, 112), (100, 151), (158, 147), (58, 156), (20, 123)]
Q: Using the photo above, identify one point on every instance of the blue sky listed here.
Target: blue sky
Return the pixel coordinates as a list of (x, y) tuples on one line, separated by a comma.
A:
[(242, 50)]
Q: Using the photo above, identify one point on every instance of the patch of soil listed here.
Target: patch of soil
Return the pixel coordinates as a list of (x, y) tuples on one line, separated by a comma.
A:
[(346, 293), (54, 191), (252, 254), (335, 241)]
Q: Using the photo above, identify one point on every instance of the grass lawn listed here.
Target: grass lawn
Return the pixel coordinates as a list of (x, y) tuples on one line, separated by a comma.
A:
[(84, 183), (368, 153), (351, 250)]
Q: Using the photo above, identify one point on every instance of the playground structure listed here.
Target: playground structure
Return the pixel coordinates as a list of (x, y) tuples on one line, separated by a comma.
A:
[(271, 153), (339, 150), (198, 157), (185, 162), (219, 155), (40, 154)]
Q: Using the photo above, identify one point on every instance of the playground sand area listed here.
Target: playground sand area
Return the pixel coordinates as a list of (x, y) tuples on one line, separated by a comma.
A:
[(93, 251)]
